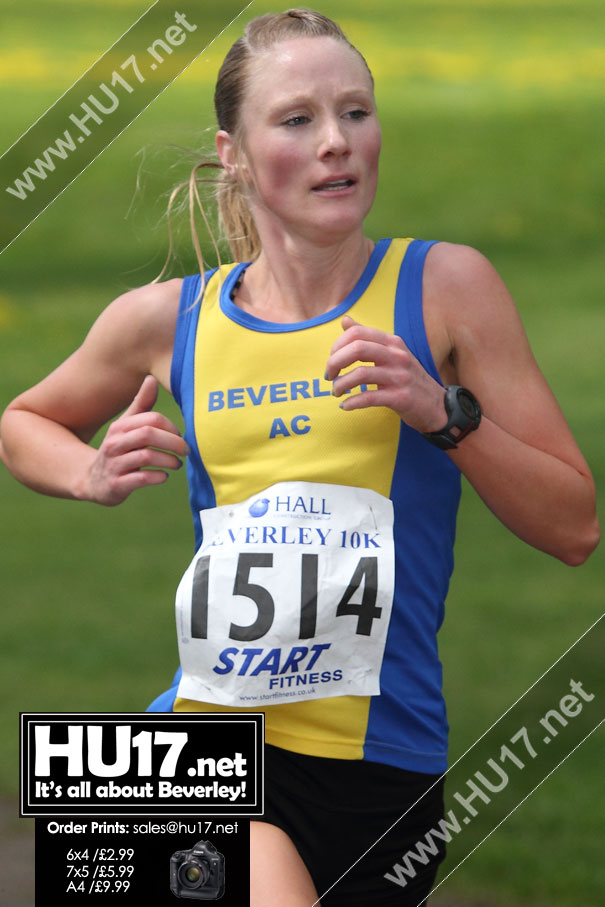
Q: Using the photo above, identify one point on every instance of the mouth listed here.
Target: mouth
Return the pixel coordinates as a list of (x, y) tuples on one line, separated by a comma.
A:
[(335, 185)]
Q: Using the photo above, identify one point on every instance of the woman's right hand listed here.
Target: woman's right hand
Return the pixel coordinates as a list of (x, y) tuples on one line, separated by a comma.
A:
[(47, 430), (138, 449)]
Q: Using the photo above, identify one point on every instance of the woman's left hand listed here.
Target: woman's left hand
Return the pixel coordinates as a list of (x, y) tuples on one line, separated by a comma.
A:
[(401, 382)]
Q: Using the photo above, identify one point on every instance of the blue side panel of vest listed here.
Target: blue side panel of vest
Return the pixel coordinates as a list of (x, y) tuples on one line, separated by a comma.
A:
[(201, 492), (165, 701), (181, 383), (425, 493)]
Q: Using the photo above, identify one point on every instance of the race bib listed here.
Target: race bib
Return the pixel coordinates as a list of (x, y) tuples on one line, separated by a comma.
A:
[(288, 598)]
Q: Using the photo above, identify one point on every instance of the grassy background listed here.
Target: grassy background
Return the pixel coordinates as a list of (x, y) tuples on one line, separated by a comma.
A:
[(493, 136)]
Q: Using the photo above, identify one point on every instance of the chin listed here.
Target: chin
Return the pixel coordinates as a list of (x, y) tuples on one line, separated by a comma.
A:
[(328, 232), (341, 226)]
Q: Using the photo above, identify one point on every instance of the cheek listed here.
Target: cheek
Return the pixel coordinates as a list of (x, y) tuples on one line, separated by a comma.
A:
[(282, 169), (277, 166), (372, 148)]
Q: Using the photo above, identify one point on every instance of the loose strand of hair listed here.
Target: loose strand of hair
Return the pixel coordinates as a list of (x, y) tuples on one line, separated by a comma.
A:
[(173, 195), (194, 198)]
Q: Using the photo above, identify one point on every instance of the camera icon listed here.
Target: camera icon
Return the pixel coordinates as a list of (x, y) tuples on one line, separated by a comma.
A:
[(198, 873)]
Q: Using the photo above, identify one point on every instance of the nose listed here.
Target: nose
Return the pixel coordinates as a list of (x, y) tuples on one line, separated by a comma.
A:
[(334, 139)]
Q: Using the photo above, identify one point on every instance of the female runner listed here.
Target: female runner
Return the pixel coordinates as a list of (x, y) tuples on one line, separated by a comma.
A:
[(327, 529)]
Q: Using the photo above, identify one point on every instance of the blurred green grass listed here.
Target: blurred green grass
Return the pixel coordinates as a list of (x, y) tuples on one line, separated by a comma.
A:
[(493, 136)]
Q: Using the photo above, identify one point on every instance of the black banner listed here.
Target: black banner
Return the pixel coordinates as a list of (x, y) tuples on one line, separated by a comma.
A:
[(201, 764)]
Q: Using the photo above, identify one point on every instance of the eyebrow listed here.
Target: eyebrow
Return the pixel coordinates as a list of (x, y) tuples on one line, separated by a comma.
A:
[(283, 106)]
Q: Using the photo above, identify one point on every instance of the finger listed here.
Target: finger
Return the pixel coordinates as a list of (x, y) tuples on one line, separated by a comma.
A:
[(367, 351), (145, 398), (363, 374), (348, 322), (142, 478), (366, 398), (146, 458), (146, 436), (361, 332), (157, 420), (358, 334)]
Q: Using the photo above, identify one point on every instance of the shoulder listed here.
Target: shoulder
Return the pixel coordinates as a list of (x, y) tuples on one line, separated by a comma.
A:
[(458, 269), (142, 315), (465, 291), (469, 313), (137, 329), (149, 303)]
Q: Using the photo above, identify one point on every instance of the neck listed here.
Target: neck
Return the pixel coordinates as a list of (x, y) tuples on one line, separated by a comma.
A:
[(295, 281)]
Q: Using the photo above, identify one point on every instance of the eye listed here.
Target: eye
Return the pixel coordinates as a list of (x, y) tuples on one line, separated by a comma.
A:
[(358, 114), (298, 120)]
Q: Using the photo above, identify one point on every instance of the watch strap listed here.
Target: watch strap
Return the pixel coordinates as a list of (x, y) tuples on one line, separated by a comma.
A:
[(463, 416)]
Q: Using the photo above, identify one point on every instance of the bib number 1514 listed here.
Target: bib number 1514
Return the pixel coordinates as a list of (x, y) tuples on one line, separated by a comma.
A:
[(365, 574)]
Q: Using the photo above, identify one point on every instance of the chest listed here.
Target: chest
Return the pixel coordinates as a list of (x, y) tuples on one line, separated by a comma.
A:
[(264, 413)]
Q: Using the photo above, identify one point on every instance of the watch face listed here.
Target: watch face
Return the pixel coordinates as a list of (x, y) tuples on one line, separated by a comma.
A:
[(467, 404)]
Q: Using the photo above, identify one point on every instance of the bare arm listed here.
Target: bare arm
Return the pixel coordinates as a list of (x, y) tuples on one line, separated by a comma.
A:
[(522, 460), (46, 430)]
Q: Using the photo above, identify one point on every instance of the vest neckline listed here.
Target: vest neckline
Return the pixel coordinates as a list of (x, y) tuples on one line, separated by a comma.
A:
[(245, 319)]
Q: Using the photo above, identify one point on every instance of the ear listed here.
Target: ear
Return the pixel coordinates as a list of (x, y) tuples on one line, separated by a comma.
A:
[(226, 151), (231, 159)]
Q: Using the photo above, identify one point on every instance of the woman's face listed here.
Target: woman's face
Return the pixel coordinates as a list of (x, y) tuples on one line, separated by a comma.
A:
[(311, 139)]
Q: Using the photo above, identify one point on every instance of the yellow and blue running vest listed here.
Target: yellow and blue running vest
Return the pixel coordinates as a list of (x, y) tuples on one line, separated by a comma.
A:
[(259, 412)]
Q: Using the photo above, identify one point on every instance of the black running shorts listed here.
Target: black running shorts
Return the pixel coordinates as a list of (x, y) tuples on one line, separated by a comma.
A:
[(335, 810)]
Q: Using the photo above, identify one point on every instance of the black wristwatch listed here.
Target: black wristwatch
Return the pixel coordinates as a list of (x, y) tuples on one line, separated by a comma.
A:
[(463, 416)]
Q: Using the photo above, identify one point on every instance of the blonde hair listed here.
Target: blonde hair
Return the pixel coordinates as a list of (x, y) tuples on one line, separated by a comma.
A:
[(236, 223)]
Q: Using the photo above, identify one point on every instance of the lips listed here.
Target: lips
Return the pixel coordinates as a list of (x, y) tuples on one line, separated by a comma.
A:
[(335, 184)]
